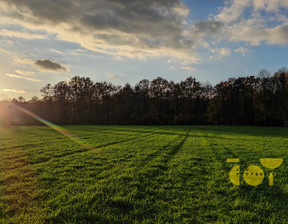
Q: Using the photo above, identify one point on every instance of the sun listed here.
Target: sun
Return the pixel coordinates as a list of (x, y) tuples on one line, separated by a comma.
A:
[(1, 113), (5, 114)]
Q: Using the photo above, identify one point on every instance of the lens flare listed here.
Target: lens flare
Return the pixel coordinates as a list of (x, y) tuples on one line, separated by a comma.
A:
[(56, 128)]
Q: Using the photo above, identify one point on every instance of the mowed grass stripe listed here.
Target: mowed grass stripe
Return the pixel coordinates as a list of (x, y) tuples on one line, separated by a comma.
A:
[(42, 135), (46, 141), (177, 188), (104, 180), (44, 154), (152, 163), (185, 182)]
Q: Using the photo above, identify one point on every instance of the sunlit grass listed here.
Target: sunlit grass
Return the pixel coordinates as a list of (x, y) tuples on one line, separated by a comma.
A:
[(140, 174)]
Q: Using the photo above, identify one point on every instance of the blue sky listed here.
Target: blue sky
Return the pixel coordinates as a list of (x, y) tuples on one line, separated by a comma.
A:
[(45, 41)]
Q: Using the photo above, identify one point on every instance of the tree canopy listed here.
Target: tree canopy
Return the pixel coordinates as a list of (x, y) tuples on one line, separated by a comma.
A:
[(261, 100)]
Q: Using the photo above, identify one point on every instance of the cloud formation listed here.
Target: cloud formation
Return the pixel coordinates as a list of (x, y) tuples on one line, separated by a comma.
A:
[(46, 64), (25, 73), (112, 77), (188, 68), (14, 90), (242, 50), (142, 29), (23, 77), (23, 61), (18, 34), (255, 21), (219, 53), (4, 51), (131, 29), (250, 22)]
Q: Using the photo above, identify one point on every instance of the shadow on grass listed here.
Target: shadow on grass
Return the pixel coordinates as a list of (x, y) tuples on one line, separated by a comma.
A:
[(97, 149), (151, 170), (250, 131)]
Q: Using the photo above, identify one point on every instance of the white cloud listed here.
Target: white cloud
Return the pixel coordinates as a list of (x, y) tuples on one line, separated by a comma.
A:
[(224, 52), (112, 77), (242, 50), (23, 61), (14, 90), (4, 51), (254, 22), (185, 62), (219, 53), (250, 21), (56, 51), (22, 77), (25, 73), (188, 68), (233, 11), (20, 34)]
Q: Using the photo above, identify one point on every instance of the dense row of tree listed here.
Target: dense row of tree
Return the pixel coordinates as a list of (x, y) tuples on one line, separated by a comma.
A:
[(261, 100)]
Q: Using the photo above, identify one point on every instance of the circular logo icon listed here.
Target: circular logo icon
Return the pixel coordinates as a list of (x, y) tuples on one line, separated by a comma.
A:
[(234, 175), (253, 175)]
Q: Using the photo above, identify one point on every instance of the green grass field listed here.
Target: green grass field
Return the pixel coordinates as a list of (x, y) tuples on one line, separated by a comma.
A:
[(140, 174)]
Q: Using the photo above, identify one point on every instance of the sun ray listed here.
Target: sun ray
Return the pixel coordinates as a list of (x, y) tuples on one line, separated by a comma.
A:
[(57, 128)]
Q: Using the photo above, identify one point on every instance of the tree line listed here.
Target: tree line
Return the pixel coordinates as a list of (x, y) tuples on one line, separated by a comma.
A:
[(260, 100)]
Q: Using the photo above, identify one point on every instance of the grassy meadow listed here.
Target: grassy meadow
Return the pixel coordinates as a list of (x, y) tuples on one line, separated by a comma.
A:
[(140, 174)]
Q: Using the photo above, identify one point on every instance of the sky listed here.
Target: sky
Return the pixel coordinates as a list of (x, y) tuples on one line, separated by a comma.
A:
[(120, 41)]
